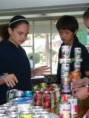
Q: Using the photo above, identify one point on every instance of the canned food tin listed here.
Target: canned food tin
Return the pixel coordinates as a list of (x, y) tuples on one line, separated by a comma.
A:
[(77, 66), (46, 115), (64, 110), (11, 94), (66, 88), (37, 116), (65, 80), (77, 52), (27, 94), (65, 51), (65, 67), (65, 97), (24, 107), (64, 73), (37, 98), (12, 114), (18, 93), (43, 86), (46, 100), (74, 105)]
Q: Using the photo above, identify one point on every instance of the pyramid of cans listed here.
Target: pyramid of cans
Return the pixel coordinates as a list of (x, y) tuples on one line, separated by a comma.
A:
[(68, 107)]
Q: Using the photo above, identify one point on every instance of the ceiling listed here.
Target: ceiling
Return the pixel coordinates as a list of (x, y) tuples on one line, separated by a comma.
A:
[(36, 9)]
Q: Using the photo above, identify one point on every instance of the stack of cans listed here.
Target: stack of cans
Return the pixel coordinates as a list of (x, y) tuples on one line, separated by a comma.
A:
[(77, 57), (68, 107), (65, 62)]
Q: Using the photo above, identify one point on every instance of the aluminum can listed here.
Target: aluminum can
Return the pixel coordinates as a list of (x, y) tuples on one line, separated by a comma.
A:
[(11, 94), (4, 116), (64, 110), (18, 93), (24, 107), (53, 101), (65, 86), (12, 114), (43, 86), (46, 100), (65, 67), (65, 97), (46, 115), (77, 66), (57, 94), (27, 94), (65, 51), (74, 105), (77, 52), (37, 98)]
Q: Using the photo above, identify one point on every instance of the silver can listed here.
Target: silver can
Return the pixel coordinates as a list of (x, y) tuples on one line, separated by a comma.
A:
[(77, 66), (77, 52), (64, 110), (74, 105), (65, 51)]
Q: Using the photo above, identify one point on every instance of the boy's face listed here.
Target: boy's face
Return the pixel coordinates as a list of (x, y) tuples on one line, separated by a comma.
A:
[(67, 36), (86, 22)]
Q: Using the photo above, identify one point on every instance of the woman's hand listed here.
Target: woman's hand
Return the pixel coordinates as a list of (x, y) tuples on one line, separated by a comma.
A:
[(40, 71), (10, 80)]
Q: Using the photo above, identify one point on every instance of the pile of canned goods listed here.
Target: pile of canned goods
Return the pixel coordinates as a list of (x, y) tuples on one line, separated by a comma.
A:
[(48, 98), (23, 111), (26, 104)]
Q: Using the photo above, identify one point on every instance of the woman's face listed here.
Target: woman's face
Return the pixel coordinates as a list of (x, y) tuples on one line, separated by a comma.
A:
[(67, 36), (86, 22), (19, 34)]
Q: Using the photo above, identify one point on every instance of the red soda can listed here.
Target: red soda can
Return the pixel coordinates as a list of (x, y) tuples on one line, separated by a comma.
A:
[(37, 98), (46, 100)]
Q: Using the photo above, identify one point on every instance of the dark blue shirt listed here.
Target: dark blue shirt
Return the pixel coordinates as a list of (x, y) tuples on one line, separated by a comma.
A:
[(84, 56), (14, 60)]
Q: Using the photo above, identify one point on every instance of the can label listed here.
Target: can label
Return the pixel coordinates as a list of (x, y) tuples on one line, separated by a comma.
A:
[(11, 94), (65, 51), (77, 52), (77, 66), (65, 97), (64, 110), (66, 88), (74, 105), (64, 73), (53, 99), (37, 98), (46, 100)]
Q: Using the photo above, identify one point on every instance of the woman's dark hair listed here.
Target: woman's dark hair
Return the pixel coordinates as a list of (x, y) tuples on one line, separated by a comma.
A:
[(86, 13), (67, 22), (4, 31), (17, 20)]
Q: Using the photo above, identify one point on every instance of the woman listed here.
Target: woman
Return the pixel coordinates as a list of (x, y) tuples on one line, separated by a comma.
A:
[(15, 69)]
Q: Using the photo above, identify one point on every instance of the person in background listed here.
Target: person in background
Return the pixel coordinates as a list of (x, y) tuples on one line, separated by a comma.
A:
[(86, 18), (80, 87), (67, 27), (15, 71)]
